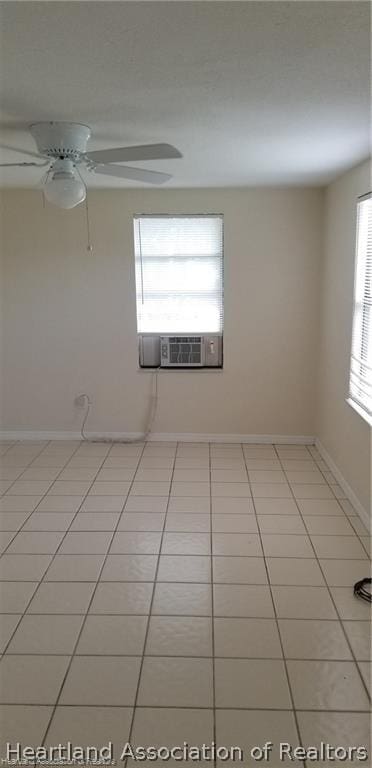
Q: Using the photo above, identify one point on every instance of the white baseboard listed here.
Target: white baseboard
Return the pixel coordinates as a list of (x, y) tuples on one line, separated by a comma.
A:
[(46, 434), (187, 437), (199, 437), (358, 506)]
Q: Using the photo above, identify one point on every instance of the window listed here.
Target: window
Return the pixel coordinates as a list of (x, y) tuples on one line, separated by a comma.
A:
[(179, 274), (360, 390)]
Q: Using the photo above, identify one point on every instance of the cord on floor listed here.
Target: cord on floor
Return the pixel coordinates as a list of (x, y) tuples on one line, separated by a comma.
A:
[(361, 591)]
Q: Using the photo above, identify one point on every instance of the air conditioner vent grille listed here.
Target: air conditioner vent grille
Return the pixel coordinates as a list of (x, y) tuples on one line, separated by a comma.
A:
[(185, 351), (182, 351)]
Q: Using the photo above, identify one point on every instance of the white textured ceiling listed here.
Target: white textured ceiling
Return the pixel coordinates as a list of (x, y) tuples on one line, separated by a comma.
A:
[(252, 93)]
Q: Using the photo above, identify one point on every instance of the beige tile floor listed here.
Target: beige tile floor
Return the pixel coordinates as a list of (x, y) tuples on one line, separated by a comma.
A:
[(169, 592)]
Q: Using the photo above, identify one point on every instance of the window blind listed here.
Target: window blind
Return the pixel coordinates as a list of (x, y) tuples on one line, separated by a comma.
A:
[(360, 391), (179, 273)]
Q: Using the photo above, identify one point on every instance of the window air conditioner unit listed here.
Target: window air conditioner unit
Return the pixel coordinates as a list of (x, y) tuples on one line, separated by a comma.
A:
[(180, 351)]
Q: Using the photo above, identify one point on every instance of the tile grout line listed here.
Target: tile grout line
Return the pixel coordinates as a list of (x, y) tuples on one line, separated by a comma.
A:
[(214, 701), (297, 726), (135, 701), (202, 709), (360, 536), (176, 581), (72, 655), (314, 452), (313, 548), (20, 530), (176, 615), (53, 555), (12, 445), (179, 655), (335, 607), (2, 496), (36, 509), (183, 554), (242, 515), (41, 580)]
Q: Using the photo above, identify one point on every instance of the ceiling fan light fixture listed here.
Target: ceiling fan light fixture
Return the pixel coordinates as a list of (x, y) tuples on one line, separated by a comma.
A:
[(65, 189)]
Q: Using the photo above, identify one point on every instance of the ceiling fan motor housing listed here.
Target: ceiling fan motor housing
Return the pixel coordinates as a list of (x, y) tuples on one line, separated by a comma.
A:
[(61, 140)]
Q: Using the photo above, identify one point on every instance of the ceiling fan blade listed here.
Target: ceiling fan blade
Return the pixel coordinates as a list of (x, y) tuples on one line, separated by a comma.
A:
[(23, 165), (140, 152), (21, 151), (135, 174)]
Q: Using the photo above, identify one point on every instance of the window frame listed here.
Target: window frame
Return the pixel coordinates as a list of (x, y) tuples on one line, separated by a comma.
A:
[(211, 338), (351, 400), (204, 215)]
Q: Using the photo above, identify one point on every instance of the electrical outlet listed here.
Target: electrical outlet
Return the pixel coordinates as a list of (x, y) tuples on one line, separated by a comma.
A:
[(80, 401)]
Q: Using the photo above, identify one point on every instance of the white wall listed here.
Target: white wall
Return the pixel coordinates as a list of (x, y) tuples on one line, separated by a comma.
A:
[(70, 320), (342, 432)]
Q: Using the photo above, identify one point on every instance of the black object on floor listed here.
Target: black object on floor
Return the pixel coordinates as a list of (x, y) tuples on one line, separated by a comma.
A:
[(361, 590)]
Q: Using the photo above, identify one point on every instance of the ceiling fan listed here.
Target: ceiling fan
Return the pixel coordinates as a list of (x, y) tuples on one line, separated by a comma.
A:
[(64, 147)]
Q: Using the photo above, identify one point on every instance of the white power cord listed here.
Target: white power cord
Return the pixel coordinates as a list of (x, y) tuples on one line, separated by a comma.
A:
[(150, 421), (88, 403)]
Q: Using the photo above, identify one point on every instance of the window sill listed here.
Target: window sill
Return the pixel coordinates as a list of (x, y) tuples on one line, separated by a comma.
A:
[(360, 411), (206, 369)]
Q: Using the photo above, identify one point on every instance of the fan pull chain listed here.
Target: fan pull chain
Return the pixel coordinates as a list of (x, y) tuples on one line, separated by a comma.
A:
[(89, 244), (87, 220)]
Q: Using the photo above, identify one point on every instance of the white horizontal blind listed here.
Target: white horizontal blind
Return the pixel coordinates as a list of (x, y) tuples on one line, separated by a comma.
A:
[(179, 273), (361, 351)]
